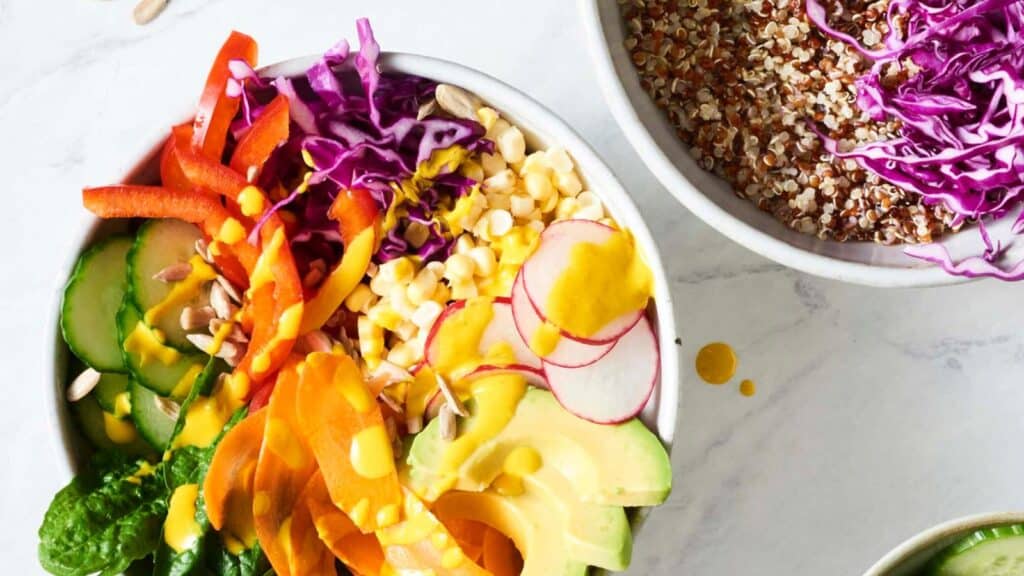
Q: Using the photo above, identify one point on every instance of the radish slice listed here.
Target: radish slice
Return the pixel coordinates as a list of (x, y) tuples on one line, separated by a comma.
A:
[(570, 352), (616, 387), (534, 376), (541, 271), (502, 328)]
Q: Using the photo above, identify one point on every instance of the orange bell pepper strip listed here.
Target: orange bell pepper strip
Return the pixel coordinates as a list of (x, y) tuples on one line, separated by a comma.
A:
[(500, 555), (284, 467), (310, 555), (361, 553), (421, 542), (268, 132), (354, 210), (130, 201), (340, 283), (171, 174), (216, 109), (228, 488), (346, 430)]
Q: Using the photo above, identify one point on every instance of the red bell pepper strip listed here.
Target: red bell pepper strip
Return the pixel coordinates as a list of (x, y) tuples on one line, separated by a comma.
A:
[(268, 132), (354, 210), (171, 174), (210, 175), (216, 109), (130, 201)]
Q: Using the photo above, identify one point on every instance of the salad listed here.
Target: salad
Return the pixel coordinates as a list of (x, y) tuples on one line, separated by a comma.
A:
[(994, 551), (361, 327)]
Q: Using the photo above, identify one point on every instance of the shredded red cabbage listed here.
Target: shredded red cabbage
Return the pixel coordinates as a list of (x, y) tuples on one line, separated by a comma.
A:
[(360, 130), (961, 111)]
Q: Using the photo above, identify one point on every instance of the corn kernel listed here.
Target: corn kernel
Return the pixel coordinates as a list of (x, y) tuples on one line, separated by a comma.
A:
[(383, 315), (403, 355), (520, 206), (399, 270), (406, 330), (400, 301), (360, 299), (487, 117), (499, 222), (499, 126), (484, 260), (590, 212), (536, 225), (499, 201), (568, 183), (422, 287), (492, 164), (381, 285), (566, 208), (538, 185), (535, 162), (501, 182), (473, 170), (588, 199), (464, 290), (549, 203), (371, 337), (559, 159), (458, 267), (443, 294), (463, 244), (436, 268), (512, 144), (426, 314)]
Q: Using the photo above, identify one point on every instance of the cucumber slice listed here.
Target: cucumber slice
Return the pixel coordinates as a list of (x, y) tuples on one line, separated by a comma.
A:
[(995, 551), (92, 421), (155, 425), (91, 299), (159, 244), (173, 378), (109, 394)]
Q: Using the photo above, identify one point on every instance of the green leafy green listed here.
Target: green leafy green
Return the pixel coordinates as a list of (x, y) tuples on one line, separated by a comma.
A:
[(250, 562), (104, 520)]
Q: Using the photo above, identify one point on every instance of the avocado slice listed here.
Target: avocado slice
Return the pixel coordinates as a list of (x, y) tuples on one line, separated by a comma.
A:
[(617, 465)]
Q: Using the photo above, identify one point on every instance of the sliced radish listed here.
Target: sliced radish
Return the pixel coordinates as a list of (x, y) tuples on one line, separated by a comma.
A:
[(569, 352), (502, 328), (541, 271), (533, 376), (616, 387)]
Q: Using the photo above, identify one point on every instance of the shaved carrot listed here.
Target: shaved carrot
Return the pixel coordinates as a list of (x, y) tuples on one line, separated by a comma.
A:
[(227, 490), (360, 552), (268, 132), (342, 420), (310, 555), (216, 109)]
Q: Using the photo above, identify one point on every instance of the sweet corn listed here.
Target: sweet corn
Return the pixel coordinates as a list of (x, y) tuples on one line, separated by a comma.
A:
[(520, 206), (371, 338), (535, 162), (588, 199), (538, 185), (499, 222), (381, 285), (458, 267), (422, 287), (536, 225), (566, 208), (487, 117), (399, 301), (499, 200), (501, 182), (404, 355), (426, 314), (559, 160), (360, 299), (492, 164), (443, 294), (406, 330), (399, 270), (549, 203), (593, 212), (484, 260), (436, 268), (499, 126), (383, 315), (511, 144), (463, 244), (473, 170), (464, 290), (568, 183)]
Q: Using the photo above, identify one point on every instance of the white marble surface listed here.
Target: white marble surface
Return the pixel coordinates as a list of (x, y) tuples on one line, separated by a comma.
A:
[(878, 413)]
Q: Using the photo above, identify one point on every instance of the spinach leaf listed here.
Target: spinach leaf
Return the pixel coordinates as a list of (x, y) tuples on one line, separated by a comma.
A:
[(104, 520), (219, 561)]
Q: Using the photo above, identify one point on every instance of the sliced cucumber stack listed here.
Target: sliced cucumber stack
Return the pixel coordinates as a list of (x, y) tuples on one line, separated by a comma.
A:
[(995, 551), (112, 394), (165, 370), (160, 244), (94, 423), (91, 300), (154, 415)]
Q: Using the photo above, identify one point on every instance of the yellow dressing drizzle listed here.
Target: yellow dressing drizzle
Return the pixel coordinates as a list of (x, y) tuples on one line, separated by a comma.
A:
[(371, 453), (145, 469), (716, 363), (182, 292), (521, 461), (748, 388), (459, 338), (181, 531), (148, 344), (122, 404), (284, 444), (203, 423), (119, 431), (231, 231), (184, 386), (263, 272), (421, 390), (600, 283), (462, 208), (360, 513), (250, 200), (287, 329), (545, 339)]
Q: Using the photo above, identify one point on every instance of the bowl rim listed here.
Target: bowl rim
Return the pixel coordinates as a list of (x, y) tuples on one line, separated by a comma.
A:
[(512, 103), (658, 162), (955, 528)]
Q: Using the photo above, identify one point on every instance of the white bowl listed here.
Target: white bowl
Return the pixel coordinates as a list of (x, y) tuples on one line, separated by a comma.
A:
[(542, 129), (909, 557), (712, 200)]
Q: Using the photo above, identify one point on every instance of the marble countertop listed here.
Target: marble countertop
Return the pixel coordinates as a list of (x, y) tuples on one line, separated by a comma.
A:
[(878, 412)]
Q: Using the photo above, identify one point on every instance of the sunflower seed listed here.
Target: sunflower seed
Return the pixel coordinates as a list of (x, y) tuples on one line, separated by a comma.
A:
[(448, 423), (221, 302), (230, 288), (391, 373), (203, 249), (169, 407), (174, 272), (426, 109), (82, 385), (451, 400), (251, 174), (391, 403), (230, 352), (201, 341), (457, 102), (196, 318), (317, 341), (147, 10), (414, 424), (235, 335)]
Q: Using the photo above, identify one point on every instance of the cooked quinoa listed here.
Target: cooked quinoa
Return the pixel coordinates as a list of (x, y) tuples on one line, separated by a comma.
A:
[(739, 81)]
